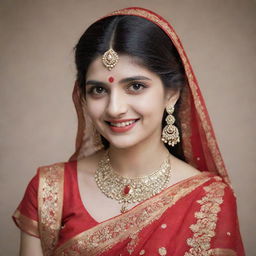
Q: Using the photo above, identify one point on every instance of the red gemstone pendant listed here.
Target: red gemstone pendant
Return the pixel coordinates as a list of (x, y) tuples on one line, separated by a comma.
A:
[(126, 190)]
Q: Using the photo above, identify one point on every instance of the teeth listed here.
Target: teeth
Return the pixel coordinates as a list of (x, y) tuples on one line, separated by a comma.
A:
[(123, 124)]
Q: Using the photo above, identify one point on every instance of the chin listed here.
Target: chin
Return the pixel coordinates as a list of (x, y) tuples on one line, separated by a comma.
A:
[(123, 143)]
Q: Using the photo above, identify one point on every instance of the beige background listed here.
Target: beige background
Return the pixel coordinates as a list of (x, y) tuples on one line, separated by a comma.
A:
[(38, 121)]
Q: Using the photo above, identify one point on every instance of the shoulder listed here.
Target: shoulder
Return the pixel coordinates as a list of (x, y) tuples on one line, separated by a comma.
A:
[(215, 185), (48, 173), (45, 170), (181, 171), (213, 197), (57, 171), (217, 194), (51, 167)]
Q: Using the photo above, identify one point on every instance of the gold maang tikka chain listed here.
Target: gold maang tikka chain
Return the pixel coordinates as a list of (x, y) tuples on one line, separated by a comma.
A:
[(130, 190)]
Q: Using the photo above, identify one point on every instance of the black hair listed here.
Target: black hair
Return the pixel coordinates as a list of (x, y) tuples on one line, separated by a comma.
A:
[(136, 37)]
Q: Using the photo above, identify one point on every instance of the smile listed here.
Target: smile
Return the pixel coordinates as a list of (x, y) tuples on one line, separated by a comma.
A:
[(122, 126)]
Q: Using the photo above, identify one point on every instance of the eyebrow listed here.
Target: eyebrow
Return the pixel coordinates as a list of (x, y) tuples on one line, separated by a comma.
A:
[(93, 82), (134, 78), (125, 80)]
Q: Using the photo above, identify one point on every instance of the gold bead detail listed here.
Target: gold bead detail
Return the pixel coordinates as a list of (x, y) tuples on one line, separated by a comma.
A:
[(162, 251), (163, 226), (142, 252)]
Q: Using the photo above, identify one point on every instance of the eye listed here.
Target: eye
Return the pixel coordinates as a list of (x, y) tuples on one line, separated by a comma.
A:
[(97, 90), (136, 87)]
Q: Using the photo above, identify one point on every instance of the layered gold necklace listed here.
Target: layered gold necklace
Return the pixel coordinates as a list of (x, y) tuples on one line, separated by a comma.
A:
[(130, 190)]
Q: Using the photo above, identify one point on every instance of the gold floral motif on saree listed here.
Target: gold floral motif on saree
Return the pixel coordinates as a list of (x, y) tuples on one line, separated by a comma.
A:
[(162, 251), (50, 200), (204, 229), (127, 226)]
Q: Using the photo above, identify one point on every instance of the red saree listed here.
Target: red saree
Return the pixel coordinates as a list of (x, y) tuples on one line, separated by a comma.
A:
[(196, 216)]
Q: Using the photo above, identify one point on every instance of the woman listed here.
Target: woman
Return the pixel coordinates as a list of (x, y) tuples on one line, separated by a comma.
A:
[(147, 177)]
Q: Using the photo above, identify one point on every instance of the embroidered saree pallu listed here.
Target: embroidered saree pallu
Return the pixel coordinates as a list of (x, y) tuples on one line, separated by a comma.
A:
[(195, 217), (171, 223)]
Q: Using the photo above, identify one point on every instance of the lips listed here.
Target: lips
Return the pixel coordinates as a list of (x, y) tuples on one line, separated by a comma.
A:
[(121, 125)]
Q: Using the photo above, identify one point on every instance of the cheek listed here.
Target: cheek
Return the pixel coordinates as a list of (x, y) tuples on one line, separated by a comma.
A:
[(95, 109), (150, 106)]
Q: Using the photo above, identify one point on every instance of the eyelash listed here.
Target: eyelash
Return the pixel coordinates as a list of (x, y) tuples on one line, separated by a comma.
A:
[(143, 86), (91, 91)]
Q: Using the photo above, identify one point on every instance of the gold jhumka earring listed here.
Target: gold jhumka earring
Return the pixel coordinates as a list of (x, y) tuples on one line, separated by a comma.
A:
[(110, 59), (170, 133)]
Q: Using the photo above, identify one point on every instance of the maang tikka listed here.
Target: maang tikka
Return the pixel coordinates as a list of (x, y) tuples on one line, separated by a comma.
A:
[(170, 133), (110, 59)]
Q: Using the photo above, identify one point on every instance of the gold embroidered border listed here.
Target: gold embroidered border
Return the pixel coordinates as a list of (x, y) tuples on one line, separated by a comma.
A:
[(26, 224), (211, 141), (50, 200), (199, 104), (107, 234), (222, 252), (204, 229)]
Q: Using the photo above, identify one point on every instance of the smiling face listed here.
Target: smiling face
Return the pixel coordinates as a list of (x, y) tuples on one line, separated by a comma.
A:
[(127, 103)]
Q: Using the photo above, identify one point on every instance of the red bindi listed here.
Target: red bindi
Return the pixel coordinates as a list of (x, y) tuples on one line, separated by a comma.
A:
[(111, 79)]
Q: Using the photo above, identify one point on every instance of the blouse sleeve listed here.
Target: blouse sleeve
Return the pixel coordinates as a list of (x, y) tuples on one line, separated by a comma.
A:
[(227, 240), (26, 215)]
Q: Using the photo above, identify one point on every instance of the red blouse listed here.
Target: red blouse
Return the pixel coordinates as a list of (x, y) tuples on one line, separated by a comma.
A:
[(75, 217)]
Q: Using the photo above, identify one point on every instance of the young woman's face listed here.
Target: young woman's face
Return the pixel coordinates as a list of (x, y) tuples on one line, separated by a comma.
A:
[(127, 103)]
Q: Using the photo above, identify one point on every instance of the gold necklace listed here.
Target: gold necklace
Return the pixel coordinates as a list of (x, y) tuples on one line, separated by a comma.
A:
[(130, 190)]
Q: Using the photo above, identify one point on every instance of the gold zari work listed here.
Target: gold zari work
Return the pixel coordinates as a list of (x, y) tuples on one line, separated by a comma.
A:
[(25, 223), (131, 190), (102, 237), (204, 228), (50, 202)]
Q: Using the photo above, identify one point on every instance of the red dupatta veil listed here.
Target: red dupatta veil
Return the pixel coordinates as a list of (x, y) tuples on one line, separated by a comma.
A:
[(199, 142)]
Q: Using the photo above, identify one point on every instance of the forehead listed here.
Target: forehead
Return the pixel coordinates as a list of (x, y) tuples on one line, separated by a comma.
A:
[(127, 66)]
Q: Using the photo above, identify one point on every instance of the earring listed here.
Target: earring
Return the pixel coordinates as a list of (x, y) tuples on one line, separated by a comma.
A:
[(170, 133)]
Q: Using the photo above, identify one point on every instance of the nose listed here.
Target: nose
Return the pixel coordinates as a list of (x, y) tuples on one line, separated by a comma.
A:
[(117, 105)]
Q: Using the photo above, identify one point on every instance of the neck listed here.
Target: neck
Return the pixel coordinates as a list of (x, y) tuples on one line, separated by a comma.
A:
[(138, 160)]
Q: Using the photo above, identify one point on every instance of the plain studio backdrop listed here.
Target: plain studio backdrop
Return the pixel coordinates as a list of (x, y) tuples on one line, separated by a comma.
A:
[(38, 120)]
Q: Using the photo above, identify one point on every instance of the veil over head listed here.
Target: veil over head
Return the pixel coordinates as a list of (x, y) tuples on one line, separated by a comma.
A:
[(199, 144)]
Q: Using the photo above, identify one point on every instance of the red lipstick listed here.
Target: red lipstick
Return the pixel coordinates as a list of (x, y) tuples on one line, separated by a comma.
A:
[(120, 129)]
